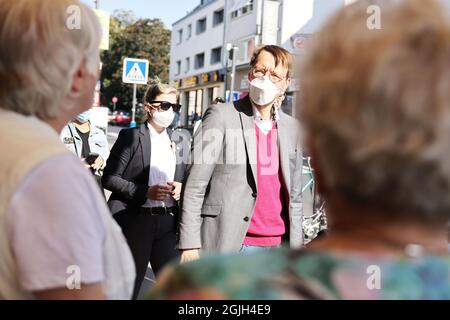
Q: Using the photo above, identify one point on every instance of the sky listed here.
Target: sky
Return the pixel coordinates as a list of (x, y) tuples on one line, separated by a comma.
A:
[(169, 11)]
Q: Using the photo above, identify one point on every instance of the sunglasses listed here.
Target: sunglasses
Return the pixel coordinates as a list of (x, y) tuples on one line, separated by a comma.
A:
[(164, 105)]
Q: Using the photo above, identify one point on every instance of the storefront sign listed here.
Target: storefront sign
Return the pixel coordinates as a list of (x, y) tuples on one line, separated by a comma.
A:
[(211, 77), (190, 82), (205, 77), (216, 76)]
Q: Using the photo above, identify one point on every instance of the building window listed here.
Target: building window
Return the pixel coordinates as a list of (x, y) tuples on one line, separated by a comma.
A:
[(199, 61), (216, 55), (199, 105), (242, 11), (180, 36), (178, 67), (249, 6), (201, 25), (191, 104), (188, 65), (245, 52), (218, 17), (189, 31)]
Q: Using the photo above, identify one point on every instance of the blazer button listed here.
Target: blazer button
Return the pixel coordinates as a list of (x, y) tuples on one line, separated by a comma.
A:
[(246, 219), (254, 195)]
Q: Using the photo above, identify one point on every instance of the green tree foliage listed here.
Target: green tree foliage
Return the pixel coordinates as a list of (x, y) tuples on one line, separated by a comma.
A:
[(134, 38)]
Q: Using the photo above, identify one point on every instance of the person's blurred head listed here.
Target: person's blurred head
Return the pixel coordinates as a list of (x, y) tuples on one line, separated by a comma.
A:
[(270, 74), (49, 57), (376, 109), (160, 102)]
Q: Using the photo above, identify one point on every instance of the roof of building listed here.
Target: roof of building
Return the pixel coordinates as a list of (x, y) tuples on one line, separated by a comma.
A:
[(195, 10)]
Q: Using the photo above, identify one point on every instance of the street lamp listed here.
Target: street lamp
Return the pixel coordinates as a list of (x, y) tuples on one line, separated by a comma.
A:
[(97, 4), (232, 50)]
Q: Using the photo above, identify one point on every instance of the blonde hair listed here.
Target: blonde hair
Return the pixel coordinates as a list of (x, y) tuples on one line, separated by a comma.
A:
[(156, 87), (40, 53), (376, 106)]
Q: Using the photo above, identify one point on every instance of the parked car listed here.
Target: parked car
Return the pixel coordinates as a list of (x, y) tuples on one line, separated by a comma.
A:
[(121, 118), (111, 116)]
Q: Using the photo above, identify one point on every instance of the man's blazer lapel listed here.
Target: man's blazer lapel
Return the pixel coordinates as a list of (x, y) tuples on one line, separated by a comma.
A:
[(248, 127), (179, 169)]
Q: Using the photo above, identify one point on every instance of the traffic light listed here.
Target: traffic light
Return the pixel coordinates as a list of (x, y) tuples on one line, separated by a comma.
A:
[(231, 53)]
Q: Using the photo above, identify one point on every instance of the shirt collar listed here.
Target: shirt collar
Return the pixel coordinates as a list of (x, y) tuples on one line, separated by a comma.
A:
[(257, 114), (154, 133), (264, 125)]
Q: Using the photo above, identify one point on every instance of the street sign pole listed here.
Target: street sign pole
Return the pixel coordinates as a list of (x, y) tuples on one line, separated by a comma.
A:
[(133, 110), (114, 101)]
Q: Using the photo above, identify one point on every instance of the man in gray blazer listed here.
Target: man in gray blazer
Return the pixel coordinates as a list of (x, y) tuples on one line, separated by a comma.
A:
[(243, 189)]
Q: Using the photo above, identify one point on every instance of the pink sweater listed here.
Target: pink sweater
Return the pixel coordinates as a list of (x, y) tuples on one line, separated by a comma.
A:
[(267, 225)]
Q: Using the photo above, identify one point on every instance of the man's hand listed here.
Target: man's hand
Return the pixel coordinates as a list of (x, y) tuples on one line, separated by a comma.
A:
[(176, 190), (189, 255), (159, 193), (98, 163)]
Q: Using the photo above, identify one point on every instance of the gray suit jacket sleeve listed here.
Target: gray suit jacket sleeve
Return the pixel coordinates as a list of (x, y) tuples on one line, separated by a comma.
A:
[(296, 197), (206, 152), (297, 200)]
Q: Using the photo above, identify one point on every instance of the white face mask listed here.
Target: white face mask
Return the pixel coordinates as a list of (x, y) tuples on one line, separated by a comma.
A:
[(164, 118), (263, 91)]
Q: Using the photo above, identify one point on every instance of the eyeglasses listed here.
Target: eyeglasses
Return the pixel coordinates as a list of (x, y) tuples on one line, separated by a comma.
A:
[(261, 72), (164, 105)]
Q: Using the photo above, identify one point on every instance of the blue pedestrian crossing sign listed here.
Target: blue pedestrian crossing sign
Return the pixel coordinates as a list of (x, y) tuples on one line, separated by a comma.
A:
[(135, 71)]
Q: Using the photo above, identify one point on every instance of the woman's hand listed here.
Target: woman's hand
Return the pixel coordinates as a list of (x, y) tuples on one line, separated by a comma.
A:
[(98, 163), (176, 190), (159, 193)]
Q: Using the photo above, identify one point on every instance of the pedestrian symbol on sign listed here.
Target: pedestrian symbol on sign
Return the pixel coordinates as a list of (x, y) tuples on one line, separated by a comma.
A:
[(136, 74), (135, 71)]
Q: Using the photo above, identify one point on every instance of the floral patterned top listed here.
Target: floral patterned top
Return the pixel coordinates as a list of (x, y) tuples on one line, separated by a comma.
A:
[(286, 274)]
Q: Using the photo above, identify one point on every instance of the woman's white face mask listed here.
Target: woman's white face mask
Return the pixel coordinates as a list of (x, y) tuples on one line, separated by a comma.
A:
[(163, 118), (263, 91)]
